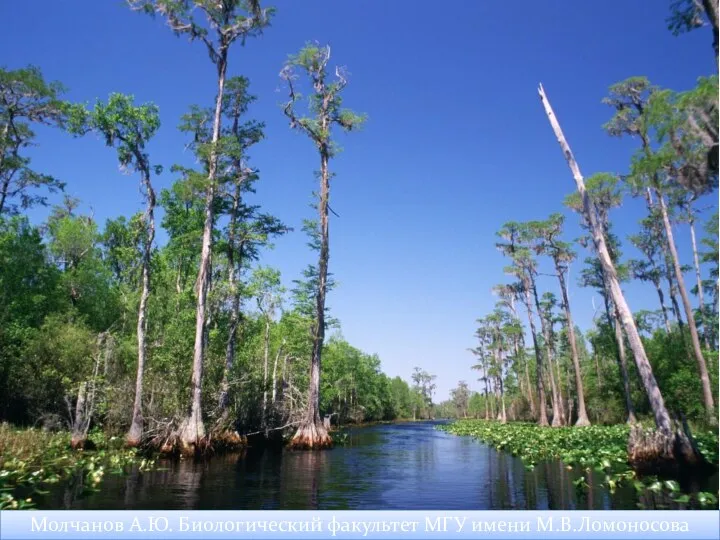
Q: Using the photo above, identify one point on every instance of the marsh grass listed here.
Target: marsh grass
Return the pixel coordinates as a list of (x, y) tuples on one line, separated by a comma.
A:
[(33, 459)]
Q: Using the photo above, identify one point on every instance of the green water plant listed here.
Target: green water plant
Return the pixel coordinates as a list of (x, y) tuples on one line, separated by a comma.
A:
[(602, 449), (31, 460)]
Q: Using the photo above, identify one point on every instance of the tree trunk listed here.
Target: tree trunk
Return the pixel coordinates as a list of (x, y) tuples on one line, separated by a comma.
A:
[(583, 419), (525, 389), (85, 404), (3, 193), (613, 319), (134, 435), (558, 381), (698, 277), (556, 403), (557, 415), (542, 404), (661, 298), (518, 343), (708, 400), (622, 363), (487, 410), (266, 354), (672, 292), (193, 428), (487, 394), (597, 370), (6, 183), (503, 414), (533, 409), (79, 435), (273, 398), (676, 440), (714, 313), (311, 432), (224, 398), (711, 9), (285, 382)]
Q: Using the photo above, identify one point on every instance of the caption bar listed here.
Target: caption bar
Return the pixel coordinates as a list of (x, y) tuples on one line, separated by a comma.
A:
[(281, 524)]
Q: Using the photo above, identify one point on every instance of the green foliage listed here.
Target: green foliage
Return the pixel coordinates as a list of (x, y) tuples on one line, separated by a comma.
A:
[(677, 375), (230, 19), (29, 291), (461, 398), (121, 249), (423, 390), (128, 128), (603, 190), (26, 100), (59, 355), (325, 104), (354, 387)]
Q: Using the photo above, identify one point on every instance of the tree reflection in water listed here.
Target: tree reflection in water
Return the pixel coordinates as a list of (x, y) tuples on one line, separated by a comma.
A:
[(402, 466)]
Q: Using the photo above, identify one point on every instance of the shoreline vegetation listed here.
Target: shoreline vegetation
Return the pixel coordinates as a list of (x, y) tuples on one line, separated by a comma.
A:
[(603, 449), (33, 459)]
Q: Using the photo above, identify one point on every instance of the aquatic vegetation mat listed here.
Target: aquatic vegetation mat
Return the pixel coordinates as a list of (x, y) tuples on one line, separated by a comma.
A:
[(599, 448)]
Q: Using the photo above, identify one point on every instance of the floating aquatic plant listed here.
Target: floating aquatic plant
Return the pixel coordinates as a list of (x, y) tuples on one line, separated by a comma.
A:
[(599, 448)]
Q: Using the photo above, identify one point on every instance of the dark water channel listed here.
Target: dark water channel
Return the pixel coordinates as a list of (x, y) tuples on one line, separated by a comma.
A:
[(402, 466)]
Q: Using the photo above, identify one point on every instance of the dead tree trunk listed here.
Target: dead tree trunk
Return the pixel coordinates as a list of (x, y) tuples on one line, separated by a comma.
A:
[(673, 444)]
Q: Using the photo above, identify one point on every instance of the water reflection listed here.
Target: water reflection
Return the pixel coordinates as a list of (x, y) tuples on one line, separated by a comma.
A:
[(404, 466)]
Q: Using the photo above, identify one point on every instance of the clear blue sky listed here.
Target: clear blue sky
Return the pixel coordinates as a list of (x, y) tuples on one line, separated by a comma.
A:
[(456, 143)]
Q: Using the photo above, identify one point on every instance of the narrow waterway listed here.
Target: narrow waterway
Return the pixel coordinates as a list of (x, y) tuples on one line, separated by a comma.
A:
[(410, 466)]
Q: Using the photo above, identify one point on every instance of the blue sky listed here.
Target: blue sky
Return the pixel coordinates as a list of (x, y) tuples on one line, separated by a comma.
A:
[(456, 143)]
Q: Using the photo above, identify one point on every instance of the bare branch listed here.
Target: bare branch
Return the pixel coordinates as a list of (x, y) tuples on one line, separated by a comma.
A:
[(288, 75)]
